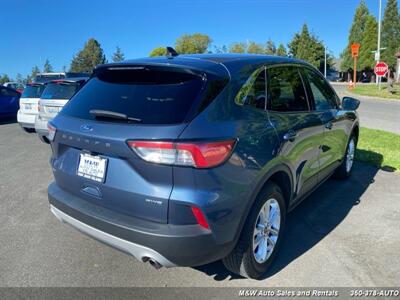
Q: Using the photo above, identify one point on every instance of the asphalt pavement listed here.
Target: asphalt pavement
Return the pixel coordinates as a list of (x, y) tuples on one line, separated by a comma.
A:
[(374, 112), (345, 234)]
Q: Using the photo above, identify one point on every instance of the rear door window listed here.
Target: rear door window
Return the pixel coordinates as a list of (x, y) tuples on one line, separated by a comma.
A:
[(154, 96), (286, 90), (33, 91), (324, 97), (60, 90)]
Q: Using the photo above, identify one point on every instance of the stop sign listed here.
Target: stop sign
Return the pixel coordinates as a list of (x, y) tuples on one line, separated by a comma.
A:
[(381, 69)]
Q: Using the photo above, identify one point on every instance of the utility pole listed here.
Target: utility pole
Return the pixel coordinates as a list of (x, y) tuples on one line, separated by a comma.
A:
[(325, 64), (378, 50)]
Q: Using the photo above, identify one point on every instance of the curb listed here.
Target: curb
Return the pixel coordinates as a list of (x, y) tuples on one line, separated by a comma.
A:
[(346, 92)]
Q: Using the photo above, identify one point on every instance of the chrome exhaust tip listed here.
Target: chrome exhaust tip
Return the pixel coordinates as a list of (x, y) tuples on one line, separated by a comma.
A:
[(152, 262)]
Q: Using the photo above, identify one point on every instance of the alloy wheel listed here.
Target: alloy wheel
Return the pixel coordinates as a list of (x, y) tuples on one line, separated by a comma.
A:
[(266, 230), (350, 155)]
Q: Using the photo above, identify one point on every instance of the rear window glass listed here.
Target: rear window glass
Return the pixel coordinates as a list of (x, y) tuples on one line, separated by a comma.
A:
[(152, 96), (4, 92), (33, 91), (64, 90)]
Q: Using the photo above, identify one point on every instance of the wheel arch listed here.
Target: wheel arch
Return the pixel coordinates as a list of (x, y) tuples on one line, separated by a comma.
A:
[(356, 131), (279, 175)]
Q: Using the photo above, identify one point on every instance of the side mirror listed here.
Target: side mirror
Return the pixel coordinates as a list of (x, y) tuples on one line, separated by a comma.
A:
[(349, 103)]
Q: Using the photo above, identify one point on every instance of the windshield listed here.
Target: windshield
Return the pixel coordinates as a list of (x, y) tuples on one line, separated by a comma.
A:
[(153, 96), (60, 90), (33, 91)]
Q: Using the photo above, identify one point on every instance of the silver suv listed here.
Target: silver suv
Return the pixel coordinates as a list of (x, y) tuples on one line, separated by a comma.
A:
[(54, 97)]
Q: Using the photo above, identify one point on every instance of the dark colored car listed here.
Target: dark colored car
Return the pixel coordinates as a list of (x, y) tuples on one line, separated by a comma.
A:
[(19, 87), (185, 160), (9, 102)]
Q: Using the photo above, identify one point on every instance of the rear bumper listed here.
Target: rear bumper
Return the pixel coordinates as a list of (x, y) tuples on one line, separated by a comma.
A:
[(41, 127), (26, 120), (135, 250), (170, 245)]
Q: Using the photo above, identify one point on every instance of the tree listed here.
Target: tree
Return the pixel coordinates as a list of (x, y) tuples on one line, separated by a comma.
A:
[(4, 78), (47, 67), (255, 48), (237, 48), (88, 58), (390, 33), (222, 49), (270, 48), (293, 45), (195, 43), (308, 47), (281, 51), (366, 59), (355, 35), (34, 72), (118, 55), (159, 51), (19, 78)]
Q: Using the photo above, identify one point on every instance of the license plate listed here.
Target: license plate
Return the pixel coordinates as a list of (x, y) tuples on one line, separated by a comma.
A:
[(92, 167), (53, 109), (28, 106)]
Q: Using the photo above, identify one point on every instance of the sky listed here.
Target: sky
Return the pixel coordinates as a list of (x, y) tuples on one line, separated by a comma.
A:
[(36, 30)]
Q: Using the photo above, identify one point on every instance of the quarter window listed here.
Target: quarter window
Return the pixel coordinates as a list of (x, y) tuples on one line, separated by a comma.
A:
[(253, 91), (285, 90), (324, 97)]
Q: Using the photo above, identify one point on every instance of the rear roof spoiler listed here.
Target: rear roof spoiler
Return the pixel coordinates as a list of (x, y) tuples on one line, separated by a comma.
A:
[(70, 80), (144, 66), (35, 83), (186, 66)]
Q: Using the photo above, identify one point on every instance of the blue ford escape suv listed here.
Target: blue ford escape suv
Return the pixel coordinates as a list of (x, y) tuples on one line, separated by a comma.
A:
[(187, 159)]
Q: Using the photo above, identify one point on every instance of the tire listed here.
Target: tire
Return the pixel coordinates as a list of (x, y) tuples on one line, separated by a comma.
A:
[(344, 171), (28, 130), (43, 139), (245, 258)]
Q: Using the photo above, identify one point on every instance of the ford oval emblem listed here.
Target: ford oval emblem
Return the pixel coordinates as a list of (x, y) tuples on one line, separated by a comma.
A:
[(86, 127)]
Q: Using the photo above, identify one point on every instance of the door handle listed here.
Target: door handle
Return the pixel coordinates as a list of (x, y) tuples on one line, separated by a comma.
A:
[(290, 135), (329, 125)]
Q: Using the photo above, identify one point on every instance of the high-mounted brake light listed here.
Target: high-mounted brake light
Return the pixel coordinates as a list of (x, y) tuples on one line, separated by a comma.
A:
[(52, 132), (196, 154)]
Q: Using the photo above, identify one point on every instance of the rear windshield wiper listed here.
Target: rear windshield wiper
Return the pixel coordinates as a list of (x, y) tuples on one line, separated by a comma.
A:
[(107, 114)]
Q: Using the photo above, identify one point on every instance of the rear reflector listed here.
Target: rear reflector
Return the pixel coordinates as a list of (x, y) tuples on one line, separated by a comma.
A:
[(198, 155), (200, 218)]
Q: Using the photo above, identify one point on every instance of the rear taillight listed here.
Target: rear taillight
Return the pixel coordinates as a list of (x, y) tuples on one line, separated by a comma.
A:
[(196, 154), (52, 132)]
